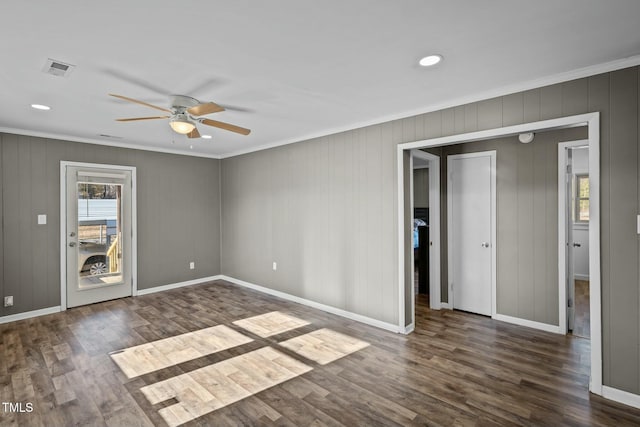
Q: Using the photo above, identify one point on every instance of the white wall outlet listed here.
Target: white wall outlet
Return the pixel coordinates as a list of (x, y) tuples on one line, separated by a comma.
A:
[(275, 266), (8, 301), (192, 265), (42, 219)]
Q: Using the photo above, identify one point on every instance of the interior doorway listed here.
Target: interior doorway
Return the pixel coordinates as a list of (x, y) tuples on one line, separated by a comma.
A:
[(97, 239), (573, 176), (421, 239), (590, 122), (424, 185)]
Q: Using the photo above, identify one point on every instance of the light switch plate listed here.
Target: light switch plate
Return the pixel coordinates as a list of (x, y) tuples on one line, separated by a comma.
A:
[(42, 219)]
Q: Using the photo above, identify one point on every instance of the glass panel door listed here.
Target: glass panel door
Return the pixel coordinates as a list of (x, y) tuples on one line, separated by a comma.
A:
[(98, 234)]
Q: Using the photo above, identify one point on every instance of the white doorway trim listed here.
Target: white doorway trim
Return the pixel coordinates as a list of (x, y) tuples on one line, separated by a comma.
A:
[(492, 154), (592, 121), (63, 225), (434, 229)]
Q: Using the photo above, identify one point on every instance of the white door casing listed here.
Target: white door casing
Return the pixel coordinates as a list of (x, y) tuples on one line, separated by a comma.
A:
[(80, 289), (471, 213)]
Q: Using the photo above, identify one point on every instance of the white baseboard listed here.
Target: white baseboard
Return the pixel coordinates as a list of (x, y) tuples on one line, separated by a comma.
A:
[(529, 323), (445, 306), (329, 309), (581, 277), (409, 328), (621, 396), (57, 309), (177, 285), (29, 314)]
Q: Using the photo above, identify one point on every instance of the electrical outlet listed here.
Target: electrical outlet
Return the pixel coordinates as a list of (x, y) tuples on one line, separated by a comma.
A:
[(8, 301), (192, 265), (275, 266)]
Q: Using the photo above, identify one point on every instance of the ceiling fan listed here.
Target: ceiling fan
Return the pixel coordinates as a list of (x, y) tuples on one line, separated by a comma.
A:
[(185, 113)]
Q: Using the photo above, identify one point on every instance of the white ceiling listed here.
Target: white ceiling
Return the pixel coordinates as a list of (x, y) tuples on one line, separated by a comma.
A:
[(294, 68)]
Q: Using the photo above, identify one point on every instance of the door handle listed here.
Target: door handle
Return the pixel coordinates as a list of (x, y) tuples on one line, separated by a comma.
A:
[(577, 245), (72, 244), (485, 244)]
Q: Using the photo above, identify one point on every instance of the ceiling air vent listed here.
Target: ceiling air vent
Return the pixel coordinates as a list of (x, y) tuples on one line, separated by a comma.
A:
[(57, 68)]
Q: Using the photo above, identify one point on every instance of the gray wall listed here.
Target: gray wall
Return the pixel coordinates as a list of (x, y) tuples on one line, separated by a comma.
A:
[(325, 208), (178, 216), (421, 188), (323, 211)]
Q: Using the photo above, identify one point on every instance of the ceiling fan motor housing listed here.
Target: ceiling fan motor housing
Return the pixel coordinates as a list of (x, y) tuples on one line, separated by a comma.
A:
[(183, 102)]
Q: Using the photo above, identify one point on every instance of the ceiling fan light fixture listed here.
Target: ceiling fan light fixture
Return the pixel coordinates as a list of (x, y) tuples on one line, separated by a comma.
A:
[(181, 124)]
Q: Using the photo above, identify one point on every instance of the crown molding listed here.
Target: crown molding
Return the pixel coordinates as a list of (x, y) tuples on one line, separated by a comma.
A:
[(131, 146), (579, 73)]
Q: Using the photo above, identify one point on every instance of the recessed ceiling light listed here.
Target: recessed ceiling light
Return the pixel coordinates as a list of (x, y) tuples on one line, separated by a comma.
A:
[(40, 107), (205, 136), (430, 60)]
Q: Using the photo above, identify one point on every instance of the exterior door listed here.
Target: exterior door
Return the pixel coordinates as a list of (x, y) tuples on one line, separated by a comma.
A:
[(98, 233), (470, 201)]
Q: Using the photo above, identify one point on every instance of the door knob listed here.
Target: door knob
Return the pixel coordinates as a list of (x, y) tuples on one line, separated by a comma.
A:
[(72, 244), (485, 244)]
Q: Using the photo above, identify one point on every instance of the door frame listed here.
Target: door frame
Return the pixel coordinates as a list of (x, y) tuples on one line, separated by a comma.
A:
[(434, 229), (592, 122), (563, 222), (494, 239), (63, 224)]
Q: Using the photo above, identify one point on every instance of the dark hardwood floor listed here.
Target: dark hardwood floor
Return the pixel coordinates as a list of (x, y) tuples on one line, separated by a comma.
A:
[(582, 324), (456, 369)]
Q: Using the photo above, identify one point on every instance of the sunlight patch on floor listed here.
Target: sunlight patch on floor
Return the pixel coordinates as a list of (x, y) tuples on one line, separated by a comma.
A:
[(156, 355), (324, 345), (215, 386), (269, 324)]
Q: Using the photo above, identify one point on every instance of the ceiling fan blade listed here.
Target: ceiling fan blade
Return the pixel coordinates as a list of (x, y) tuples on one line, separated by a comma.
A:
[(228, 107), (140, 102), (133, 119), (194, 133), (225, 126), (205, 108)]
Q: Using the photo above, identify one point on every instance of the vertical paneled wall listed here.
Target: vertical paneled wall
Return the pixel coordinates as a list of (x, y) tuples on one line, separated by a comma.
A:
[(178, 216), (421, 188), (325, 208), (296, 205), (621, 312)]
